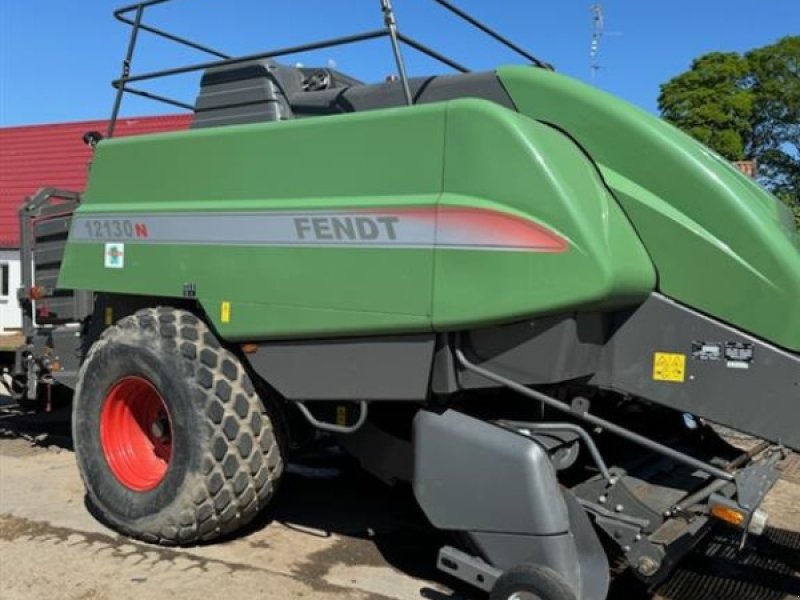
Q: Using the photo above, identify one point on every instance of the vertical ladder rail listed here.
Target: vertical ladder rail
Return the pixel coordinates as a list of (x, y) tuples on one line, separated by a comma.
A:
[(126, 70), (391, 27)]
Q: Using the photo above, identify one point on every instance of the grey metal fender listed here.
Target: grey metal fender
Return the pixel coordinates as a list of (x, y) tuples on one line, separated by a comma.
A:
[(501, 489)]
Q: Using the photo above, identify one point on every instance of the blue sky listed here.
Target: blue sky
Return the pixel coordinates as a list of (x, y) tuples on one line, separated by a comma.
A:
[(57, 57)]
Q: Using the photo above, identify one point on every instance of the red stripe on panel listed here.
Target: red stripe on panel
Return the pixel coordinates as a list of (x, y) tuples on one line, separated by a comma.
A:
[(463, 226)]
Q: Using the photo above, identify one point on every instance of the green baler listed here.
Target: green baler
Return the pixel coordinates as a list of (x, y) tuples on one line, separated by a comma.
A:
[(528, 299)]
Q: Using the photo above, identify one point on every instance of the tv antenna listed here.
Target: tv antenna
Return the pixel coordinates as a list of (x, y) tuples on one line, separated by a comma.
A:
[(598, 27), (598, 33)]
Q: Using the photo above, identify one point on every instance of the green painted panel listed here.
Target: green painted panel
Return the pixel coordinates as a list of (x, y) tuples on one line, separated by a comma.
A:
[(273, 292), (719, 242), (498, 158), (466, 155), (366, 155), (366, 161)]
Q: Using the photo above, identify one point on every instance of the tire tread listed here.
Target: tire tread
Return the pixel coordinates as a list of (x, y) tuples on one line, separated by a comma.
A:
[(238, 462)]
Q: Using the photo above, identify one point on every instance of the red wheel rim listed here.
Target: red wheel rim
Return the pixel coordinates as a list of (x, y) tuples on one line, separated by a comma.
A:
[(136, 433)]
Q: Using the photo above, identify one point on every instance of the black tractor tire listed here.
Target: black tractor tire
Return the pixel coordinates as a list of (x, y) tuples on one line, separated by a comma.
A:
[(531, 582), (214, 458)]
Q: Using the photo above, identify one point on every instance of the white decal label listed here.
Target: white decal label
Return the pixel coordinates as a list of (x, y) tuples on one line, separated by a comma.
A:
[(737, 364), (115, 256)]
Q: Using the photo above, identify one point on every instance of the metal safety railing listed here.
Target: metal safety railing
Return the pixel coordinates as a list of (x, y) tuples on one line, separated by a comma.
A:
[(133, 16)]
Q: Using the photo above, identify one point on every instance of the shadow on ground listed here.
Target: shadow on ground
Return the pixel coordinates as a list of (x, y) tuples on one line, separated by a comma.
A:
[(40, 429), (325, 493)]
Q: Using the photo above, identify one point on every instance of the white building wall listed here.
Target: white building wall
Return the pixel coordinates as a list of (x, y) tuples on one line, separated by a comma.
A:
[(10, 314)]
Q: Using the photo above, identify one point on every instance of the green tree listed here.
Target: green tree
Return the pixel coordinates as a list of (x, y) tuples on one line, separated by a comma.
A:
[(712, 103), (775, 137), (746, 107)]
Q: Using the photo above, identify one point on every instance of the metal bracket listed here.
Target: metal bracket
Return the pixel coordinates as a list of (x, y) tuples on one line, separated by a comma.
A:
[(753, 482), (330, 427), (469, 569)]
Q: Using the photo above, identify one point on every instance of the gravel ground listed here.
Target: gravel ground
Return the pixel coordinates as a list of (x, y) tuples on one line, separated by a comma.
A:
[(333, 533)]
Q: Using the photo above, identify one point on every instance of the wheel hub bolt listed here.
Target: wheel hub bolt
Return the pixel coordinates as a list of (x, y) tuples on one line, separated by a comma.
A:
[(647, 566), (159, 428)]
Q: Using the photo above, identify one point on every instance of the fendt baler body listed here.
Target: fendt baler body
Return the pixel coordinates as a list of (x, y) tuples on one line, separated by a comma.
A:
[(437, 217), (461, 215), (450, 215)]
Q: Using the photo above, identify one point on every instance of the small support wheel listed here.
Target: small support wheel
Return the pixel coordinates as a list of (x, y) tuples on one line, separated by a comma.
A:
[(531, 582)]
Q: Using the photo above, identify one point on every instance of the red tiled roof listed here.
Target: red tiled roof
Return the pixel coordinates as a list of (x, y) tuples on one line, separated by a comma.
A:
[(36, 156)]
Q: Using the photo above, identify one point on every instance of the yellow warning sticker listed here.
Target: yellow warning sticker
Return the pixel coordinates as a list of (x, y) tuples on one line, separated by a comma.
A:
[(109, 316), (225, 312), (669, 367)]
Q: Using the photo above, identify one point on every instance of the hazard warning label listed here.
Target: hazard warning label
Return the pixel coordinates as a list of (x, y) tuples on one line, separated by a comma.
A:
[(668, 366)]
